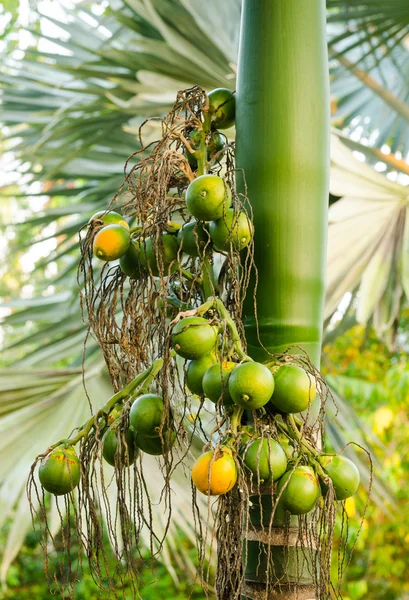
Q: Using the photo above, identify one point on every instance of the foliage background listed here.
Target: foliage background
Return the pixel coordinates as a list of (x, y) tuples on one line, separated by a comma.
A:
[(76, 84)]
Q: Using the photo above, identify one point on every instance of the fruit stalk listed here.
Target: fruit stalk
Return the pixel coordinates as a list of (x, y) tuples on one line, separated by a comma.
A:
[(293, 432), (236, 341), (144, 379), (202, 154), (282, 145), (207, 279), (235, 418)]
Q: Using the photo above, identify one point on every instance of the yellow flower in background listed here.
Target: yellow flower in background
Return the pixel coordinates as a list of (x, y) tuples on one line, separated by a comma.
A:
[(383, 419), (392, 461), (396, 459), (350, 507)]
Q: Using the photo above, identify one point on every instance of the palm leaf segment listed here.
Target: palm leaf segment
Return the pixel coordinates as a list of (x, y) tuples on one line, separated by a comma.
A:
[(369, 51), (368, 240)]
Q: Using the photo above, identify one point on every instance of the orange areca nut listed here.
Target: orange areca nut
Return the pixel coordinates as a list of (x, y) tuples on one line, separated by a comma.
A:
[(215, 472), (111, 242)]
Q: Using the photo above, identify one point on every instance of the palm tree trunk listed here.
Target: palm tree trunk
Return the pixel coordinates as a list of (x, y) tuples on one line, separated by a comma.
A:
[(283, 147)]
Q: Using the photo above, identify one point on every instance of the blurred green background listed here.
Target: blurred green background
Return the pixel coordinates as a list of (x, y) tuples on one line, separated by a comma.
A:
[(76, 81)]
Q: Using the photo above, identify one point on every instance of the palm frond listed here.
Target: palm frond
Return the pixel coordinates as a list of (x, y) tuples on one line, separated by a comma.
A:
[(367, 240), (372, 19), (368, 47)]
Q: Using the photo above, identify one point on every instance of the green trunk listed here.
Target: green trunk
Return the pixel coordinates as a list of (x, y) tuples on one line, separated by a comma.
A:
[(282, 141)]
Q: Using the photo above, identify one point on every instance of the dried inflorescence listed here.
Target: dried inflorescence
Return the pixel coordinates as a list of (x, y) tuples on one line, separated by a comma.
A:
[(131, 319)]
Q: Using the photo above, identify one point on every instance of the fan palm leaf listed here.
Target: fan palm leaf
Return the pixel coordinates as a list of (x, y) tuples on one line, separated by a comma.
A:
[(369, 51), (368, 240)]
